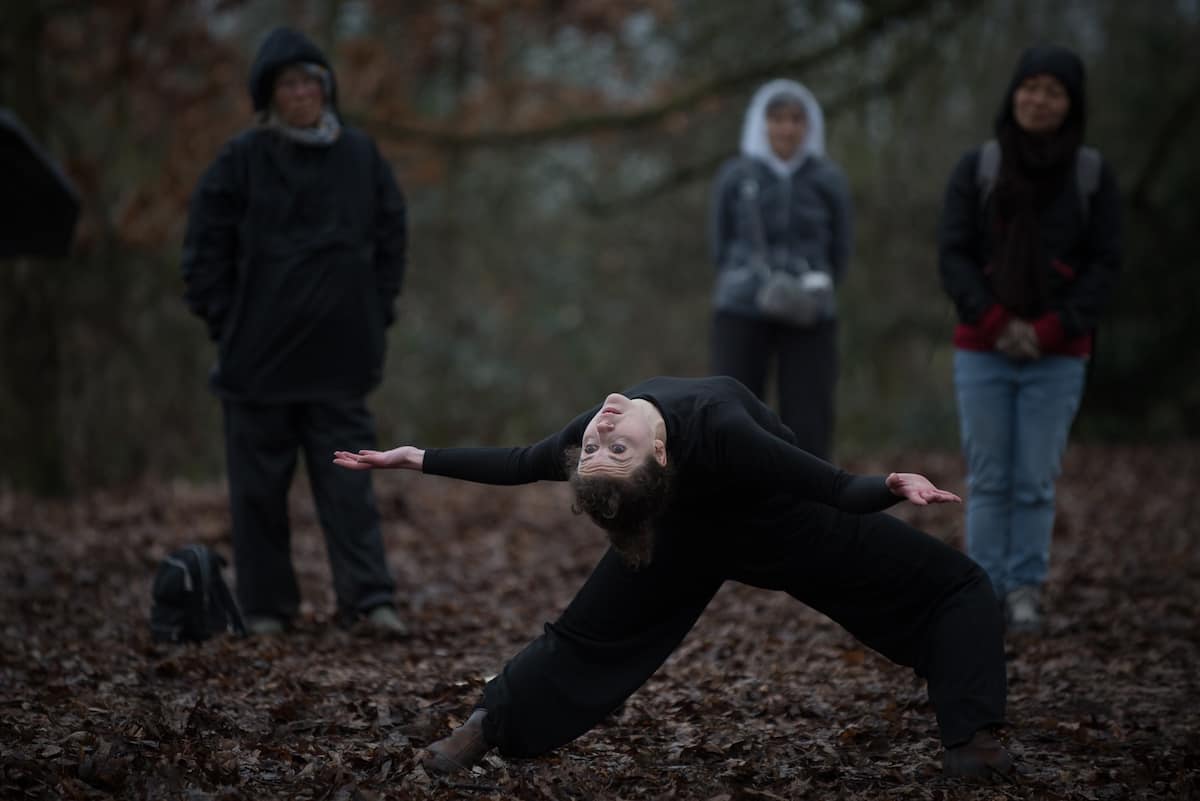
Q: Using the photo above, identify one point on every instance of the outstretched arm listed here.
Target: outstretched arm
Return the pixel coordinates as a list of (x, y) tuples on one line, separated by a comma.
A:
[(754, 456), (404, 457), (864, 494), (503, 466)]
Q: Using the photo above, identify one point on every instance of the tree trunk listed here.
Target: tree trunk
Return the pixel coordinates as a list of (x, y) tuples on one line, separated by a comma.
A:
[(31, 437)]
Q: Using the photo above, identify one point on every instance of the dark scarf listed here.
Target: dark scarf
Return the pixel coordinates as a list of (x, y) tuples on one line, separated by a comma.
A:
[(1033, 170)]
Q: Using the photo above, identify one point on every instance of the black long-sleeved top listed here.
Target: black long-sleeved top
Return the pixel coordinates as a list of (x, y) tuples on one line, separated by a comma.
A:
[(732, 456)]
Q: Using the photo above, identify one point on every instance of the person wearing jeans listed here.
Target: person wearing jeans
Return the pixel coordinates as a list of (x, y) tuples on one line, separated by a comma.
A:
[(1014, 420), (1029, 249)]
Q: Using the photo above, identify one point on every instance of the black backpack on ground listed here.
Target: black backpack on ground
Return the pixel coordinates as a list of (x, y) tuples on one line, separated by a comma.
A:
[(191, 601)]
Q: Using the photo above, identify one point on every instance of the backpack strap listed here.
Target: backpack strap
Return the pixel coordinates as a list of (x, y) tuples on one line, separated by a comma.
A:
[(986, 169), (831, 201), (232, 613), (199, 596), (212, 581), (750, 198), (202, 560), (1087, 173), (1087, 176)]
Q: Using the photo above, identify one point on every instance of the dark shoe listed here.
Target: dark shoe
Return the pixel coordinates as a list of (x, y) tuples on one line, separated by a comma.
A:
[(461, 750), (1023, 610), (982, 758), (384, 621)]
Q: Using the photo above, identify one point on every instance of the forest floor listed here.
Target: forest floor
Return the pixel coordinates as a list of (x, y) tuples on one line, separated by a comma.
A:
[(765, 699)]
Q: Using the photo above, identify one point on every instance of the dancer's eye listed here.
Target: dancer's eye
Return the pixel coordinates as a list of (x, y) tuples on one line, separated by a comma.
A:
[(591, 447), (617, 447)]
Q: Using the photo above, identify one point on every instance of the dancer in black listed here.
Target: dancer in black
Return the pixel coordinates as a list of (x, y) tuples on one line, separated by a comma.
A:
[(697, 482)]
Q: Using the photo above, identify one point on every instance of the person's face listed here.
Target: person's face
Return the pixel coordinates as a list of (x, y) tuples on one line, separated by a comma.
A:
[(1040, 104), (786, 128), (617, 440), (298, 97)]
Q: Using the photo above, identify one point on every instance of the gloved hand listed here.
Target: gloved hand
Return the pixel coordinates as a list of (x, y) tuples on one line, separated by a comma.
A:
[(1018, 341)]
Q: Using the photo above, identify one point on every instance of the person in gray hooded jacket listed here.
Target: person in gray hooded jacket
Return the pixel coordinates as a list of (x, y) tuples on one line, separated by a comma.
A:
[(782, 219), (293, 257)]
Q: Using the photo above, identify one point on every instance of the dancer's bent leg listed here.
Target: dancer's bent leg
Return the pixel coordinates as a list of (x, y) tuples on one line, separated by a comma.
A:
[(617, 631), (915, 600)]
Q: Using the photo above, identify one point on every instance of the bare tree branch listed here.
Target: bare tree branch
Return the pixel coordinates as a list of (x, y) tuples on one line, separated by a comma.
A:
[(880, 17), (1160, 148), (897, 76)]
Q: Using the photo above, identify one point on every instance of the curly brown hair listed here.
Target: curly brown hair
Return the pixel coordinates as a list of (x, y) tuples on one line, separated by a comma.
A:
[(626, 507)]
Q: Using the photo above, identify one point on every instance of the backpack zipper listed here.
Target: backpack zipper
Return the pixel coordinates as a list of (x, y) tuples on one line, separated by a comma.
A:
[(187, 574), (202, 563)]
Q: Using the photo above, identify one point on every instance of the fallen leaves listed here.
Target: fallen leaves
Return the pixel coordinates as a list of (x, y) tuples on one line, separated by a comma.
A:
[(764, 700)]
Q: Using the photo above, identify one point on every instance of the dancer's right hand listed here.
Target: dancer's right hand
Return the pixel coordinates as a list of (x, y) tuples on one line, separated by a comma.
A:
[(405, 457)]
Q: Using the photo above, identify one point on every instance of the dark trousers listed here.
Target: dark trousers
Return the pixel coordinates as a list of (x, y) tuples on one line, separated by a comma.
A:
[(901, 592), (261, 446), (806, 358)]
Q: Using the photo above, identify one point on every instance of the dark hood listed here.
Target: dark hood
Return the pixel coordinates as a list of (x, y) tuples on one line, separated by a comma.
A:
[(1064, 65), (284, 46)]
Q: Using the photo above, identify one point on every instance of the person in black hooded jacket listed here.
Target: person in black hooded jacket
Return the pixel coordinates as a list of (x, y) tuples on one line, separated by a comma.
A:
[(1029, 249), (293, 257)]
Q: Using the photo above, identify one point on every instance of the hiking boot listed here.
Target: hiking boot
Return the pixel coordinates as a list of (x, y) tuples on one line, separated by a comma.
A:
[(981, 758), (264, 626), (461, 750), (1023, 610), (383, 620)]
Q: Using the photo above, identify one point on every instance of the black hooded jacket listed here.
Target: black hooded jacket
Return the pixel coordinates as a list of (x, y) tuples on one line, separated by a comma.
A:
[(1081, 253), (295, 253)]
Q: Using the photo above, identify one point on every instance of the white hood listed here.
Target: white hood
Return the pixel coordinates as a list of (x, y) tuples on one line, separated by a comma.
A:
[(754, 129)]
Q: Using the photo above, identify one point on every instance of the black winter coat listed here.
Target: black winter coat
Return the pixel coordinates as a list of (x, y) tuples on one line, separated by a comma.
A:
[(294, 255), (1084, 253)]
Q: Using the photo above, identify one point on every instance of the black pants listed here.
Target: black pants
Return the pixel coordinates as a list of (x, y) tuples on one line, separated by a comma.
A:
[(743, 347), (261, 446), (901, 592)]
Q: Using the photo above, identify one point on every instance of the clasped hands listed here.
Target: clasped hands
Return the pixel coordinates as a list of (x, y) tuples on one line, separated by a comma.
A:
[(1019, 341)]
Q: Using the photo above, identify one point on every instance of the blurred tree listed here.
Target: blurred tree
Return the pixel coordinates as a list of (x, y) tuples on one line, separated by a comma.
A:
[(29, 341), (557, 158)]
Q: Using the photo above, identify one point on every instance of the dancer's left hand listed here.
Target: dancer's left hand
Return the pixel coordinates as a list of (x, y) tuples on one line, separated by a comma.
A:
[(919, 490)]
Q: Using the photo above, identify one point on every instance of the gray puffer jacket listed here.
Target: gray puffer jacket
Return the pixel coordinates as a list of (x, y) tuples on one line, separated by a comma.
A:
[(802, 208)]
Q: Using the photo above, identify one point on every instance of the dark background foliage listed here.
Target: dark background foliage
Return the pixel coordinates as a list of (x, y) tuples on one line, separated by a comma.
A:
[(557, 159)]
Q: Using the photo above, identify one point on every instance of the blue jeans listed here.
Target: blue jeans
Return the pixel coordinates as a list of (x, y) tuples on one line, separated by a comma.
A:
[(1014, 418)]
